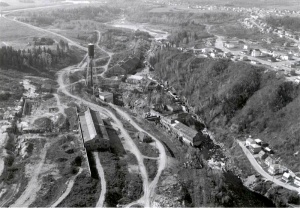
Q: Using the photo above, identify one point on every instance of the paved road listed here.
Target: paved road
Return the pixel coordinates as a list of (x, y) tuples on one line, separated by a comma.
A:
[(262, 172)]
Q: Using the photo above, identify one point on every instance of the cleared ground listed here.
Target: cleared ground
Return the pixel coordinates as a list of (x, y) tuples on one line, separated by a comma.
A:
[(16, 35)]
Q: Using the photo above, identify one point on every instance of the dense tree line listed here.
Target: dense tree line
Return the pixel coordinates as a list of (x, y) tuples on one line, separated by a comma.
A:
[(291, 23), (179, 18), (188, 35), (35, 59)]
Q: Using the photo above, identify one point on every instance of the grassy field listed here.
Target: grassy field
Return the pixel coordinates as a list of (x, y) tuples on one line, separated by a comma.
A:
[(16, 4), (15, 34)]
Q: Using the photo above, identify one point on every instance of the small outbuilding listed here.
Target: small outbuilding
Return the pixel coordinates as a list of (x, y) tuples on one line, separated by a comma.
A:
[(286, 177), (255, 148), (249, 141), (268, 150), (143, 137), (174, 108), (106, 97), (262, 155), (275, 169), (258, 141)]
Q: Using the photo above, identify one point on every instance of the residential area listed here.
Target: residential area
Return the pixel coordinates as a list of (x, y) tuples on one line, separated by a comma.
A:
[(267, 159)]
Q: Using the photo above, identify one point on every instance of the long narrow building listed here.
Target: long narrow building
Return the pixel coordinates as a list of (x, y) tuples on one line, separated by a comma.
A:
[(93, 131)]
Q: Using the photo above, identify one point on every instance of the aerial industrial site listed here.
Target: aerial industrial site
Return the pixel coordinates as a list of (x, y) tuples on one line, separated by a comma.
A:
[(149, 103)]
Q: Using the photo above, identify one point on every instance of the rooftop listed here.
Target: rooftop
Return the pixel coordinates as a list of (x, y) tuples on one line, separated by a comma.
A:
[(255, 146), (257, 140), (105, 93), (92, 125), (189, 132), (135, 77), (268, 149)]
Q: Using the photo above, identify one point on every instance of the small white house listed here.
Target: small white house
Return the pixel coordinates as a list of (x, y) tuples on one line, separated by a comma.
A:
[(106, 96), (249, 141), (135, 79), (246, 47), (297, 181), (229, 45), (256, 53), (286, 57)]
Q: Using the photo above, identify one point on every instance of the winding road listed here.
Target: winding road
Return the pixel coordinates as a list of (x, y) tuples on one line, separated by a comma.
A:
[(148, 187), (70, 185)]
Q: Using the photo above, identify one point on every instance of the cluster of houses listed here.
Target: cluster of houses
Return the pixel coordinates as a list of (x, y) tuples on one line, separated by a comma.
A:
[(265, 155), (278, 31), (254, 11)]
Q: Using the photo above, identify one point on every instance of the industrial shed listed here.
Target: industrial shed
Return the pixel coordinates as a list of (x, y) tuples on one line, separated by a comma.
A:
[(187, 134), (93, 131)]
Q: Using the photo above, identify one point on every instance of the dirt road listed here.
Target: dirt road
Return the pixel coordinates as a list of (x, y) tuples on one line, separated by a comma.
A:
[(71, 42), (148, 188), (110, 54), (70, 185), (102, 178), (34, 185), (116, 121), (162, 160)]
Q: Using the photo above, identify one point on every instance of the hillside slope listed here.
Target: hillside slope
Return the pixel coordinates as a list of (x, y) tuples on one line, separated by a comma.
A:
[(223, 93)]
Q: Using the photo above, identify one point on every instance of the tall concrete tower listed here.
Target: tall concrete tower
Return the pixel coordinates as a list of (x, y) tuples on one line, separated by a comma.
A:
[(90, 65)]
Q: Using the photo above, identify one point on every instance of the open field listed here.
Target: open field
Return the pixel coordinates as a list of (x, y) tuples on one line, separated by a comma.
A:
[(17, 39), (16, 4)]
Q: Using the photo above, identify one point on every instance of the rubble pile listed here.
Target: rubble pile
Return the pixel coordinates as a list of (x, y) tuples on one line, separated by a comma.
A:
[(169, 191)]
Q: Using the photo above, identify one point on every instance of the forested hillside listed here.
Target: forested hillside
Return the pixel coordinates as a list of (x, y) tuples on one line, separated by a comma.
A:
[(224, 93), (38, 59), (291, 23)]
